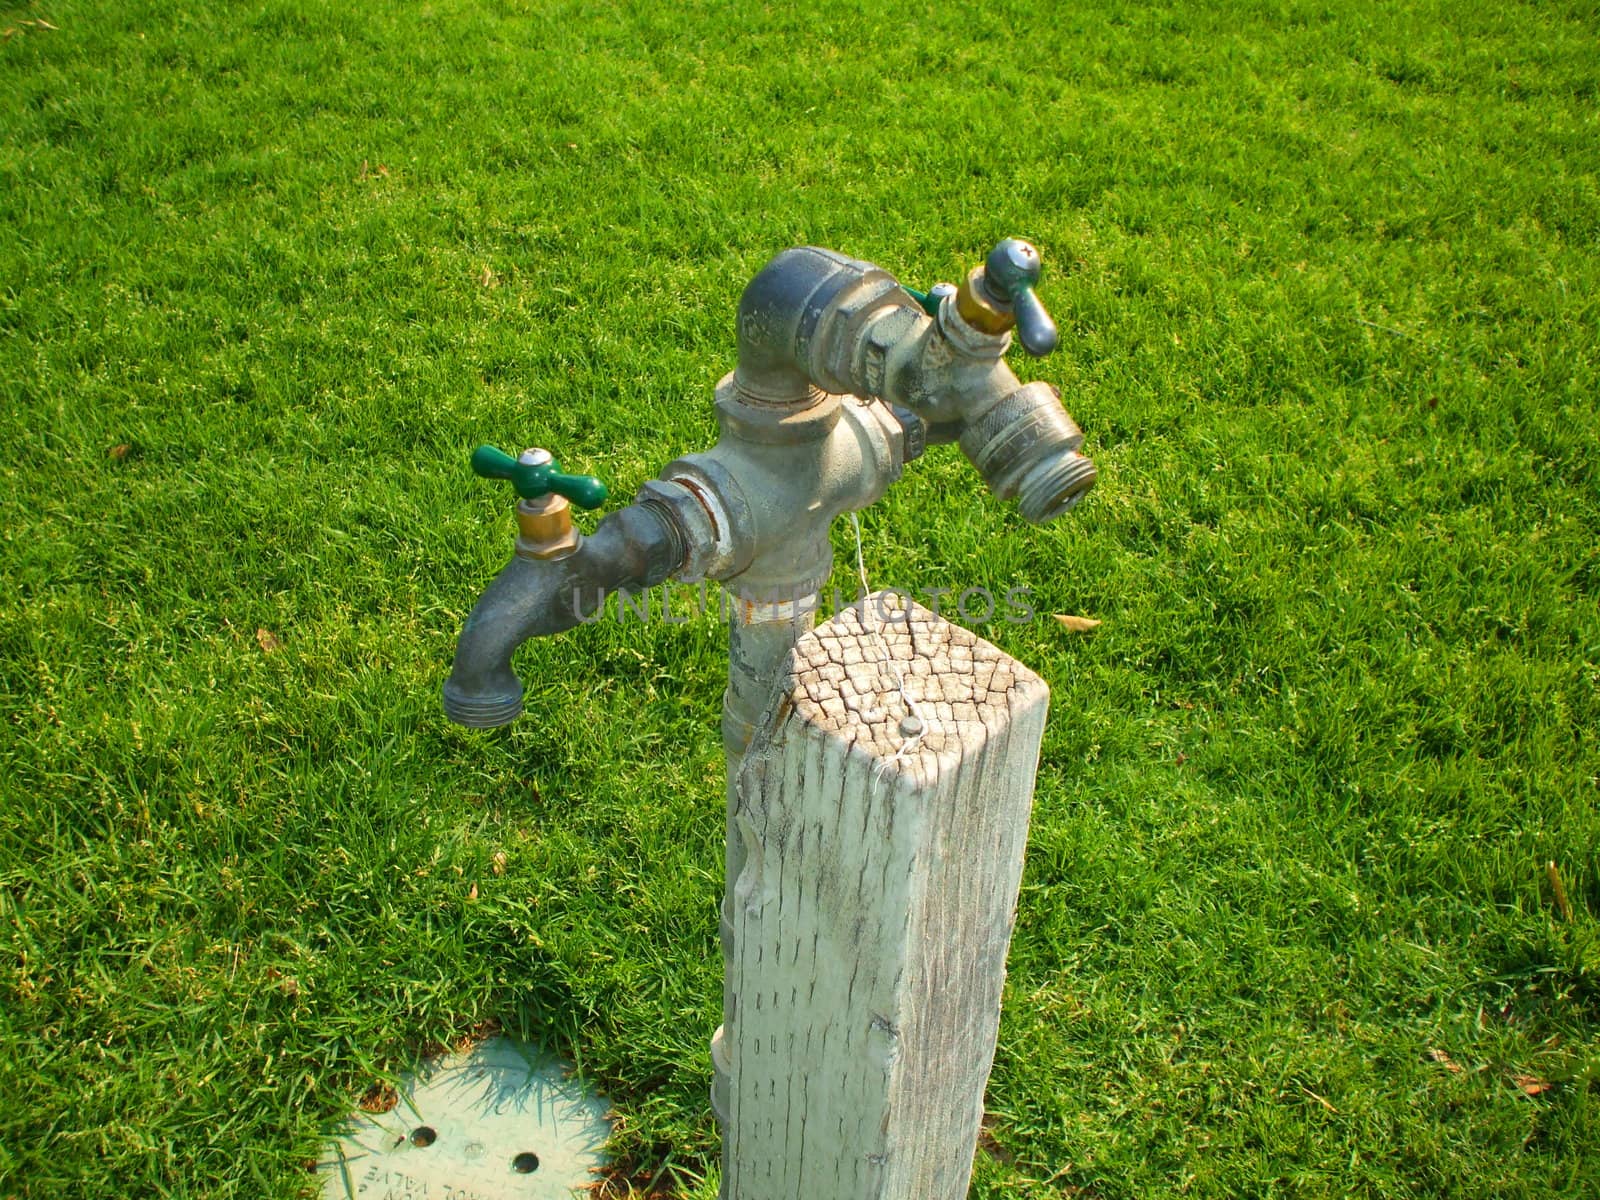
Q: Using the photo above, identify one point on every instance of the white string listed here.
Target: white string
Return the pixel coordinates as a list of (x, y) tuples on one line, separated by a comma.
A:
[(910, 741)]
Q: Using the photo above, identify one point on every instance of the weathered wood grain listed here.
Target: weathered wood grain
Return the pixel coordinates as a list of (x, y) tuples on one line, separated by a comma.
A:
[(872, 910)]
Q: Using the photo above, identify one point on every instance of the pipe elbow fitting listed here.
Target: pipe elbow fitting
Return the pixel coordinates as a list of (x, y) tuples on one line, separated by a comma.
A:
[(778, 316)]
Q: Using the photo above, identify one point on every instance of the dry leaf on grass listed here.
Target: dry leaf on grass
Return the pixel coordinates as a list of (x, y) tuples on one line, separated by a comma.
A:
[(498, 862), (119, 451), (379, 1098), (267, 640), (1322, 1100), (1445, 1061), (1077, 624), (472, 892), (1532, 1085)]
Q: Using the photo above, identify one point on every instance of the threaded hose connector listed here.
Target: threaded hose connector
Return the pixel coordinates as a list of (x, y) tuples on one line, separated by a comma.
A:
[(485, 711), (1027, 448), (1054, 486)]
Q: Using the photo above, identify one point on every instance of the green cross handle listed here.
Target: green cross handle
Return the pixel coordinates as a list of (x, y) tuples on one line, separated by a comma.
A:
[(539, 478), (1011, 272)]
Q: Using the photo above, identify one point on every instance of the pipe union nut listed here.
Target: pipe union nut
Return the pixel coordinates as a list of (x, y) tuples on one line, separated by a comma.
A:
[(710, 541)]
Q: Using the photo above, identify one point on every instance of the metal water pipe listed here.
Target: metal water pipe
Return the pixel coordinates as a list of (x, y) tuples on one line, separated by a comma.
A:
[(843, 377)]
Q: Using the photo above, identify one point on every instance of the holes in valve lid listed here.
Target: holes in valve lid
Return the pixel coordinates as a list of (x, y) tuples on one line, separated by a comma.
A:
[(423, 1136), (525, 1163)]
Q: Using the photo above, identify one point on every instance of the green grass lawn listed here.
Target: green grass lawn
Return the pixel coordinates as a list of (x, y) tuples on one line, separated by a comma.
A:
[(1327, 278)]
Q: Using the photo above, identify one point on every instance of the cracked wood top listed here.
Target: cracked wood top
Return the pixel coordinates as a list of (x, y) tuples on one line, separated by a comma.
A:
[(846, 675)]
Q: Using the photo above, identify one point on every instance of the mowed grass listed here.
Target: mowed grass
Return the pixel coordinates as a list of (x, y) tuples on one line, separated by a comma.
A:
[(1327, 279)]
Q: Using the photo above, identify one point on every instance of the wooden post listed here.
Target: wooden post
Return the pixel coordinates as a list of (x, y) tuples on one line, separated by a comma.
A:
[(873, 908)]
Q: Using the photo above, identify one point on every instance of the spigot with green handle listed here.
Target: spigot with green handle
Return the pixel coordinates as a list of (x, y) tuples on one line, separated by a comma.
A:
[(537, 474)]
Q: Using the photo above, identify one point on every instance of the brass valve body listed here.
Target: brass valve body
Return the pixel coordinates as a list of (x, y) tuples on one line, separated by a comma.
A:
[(544, 528), (978, 310)]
